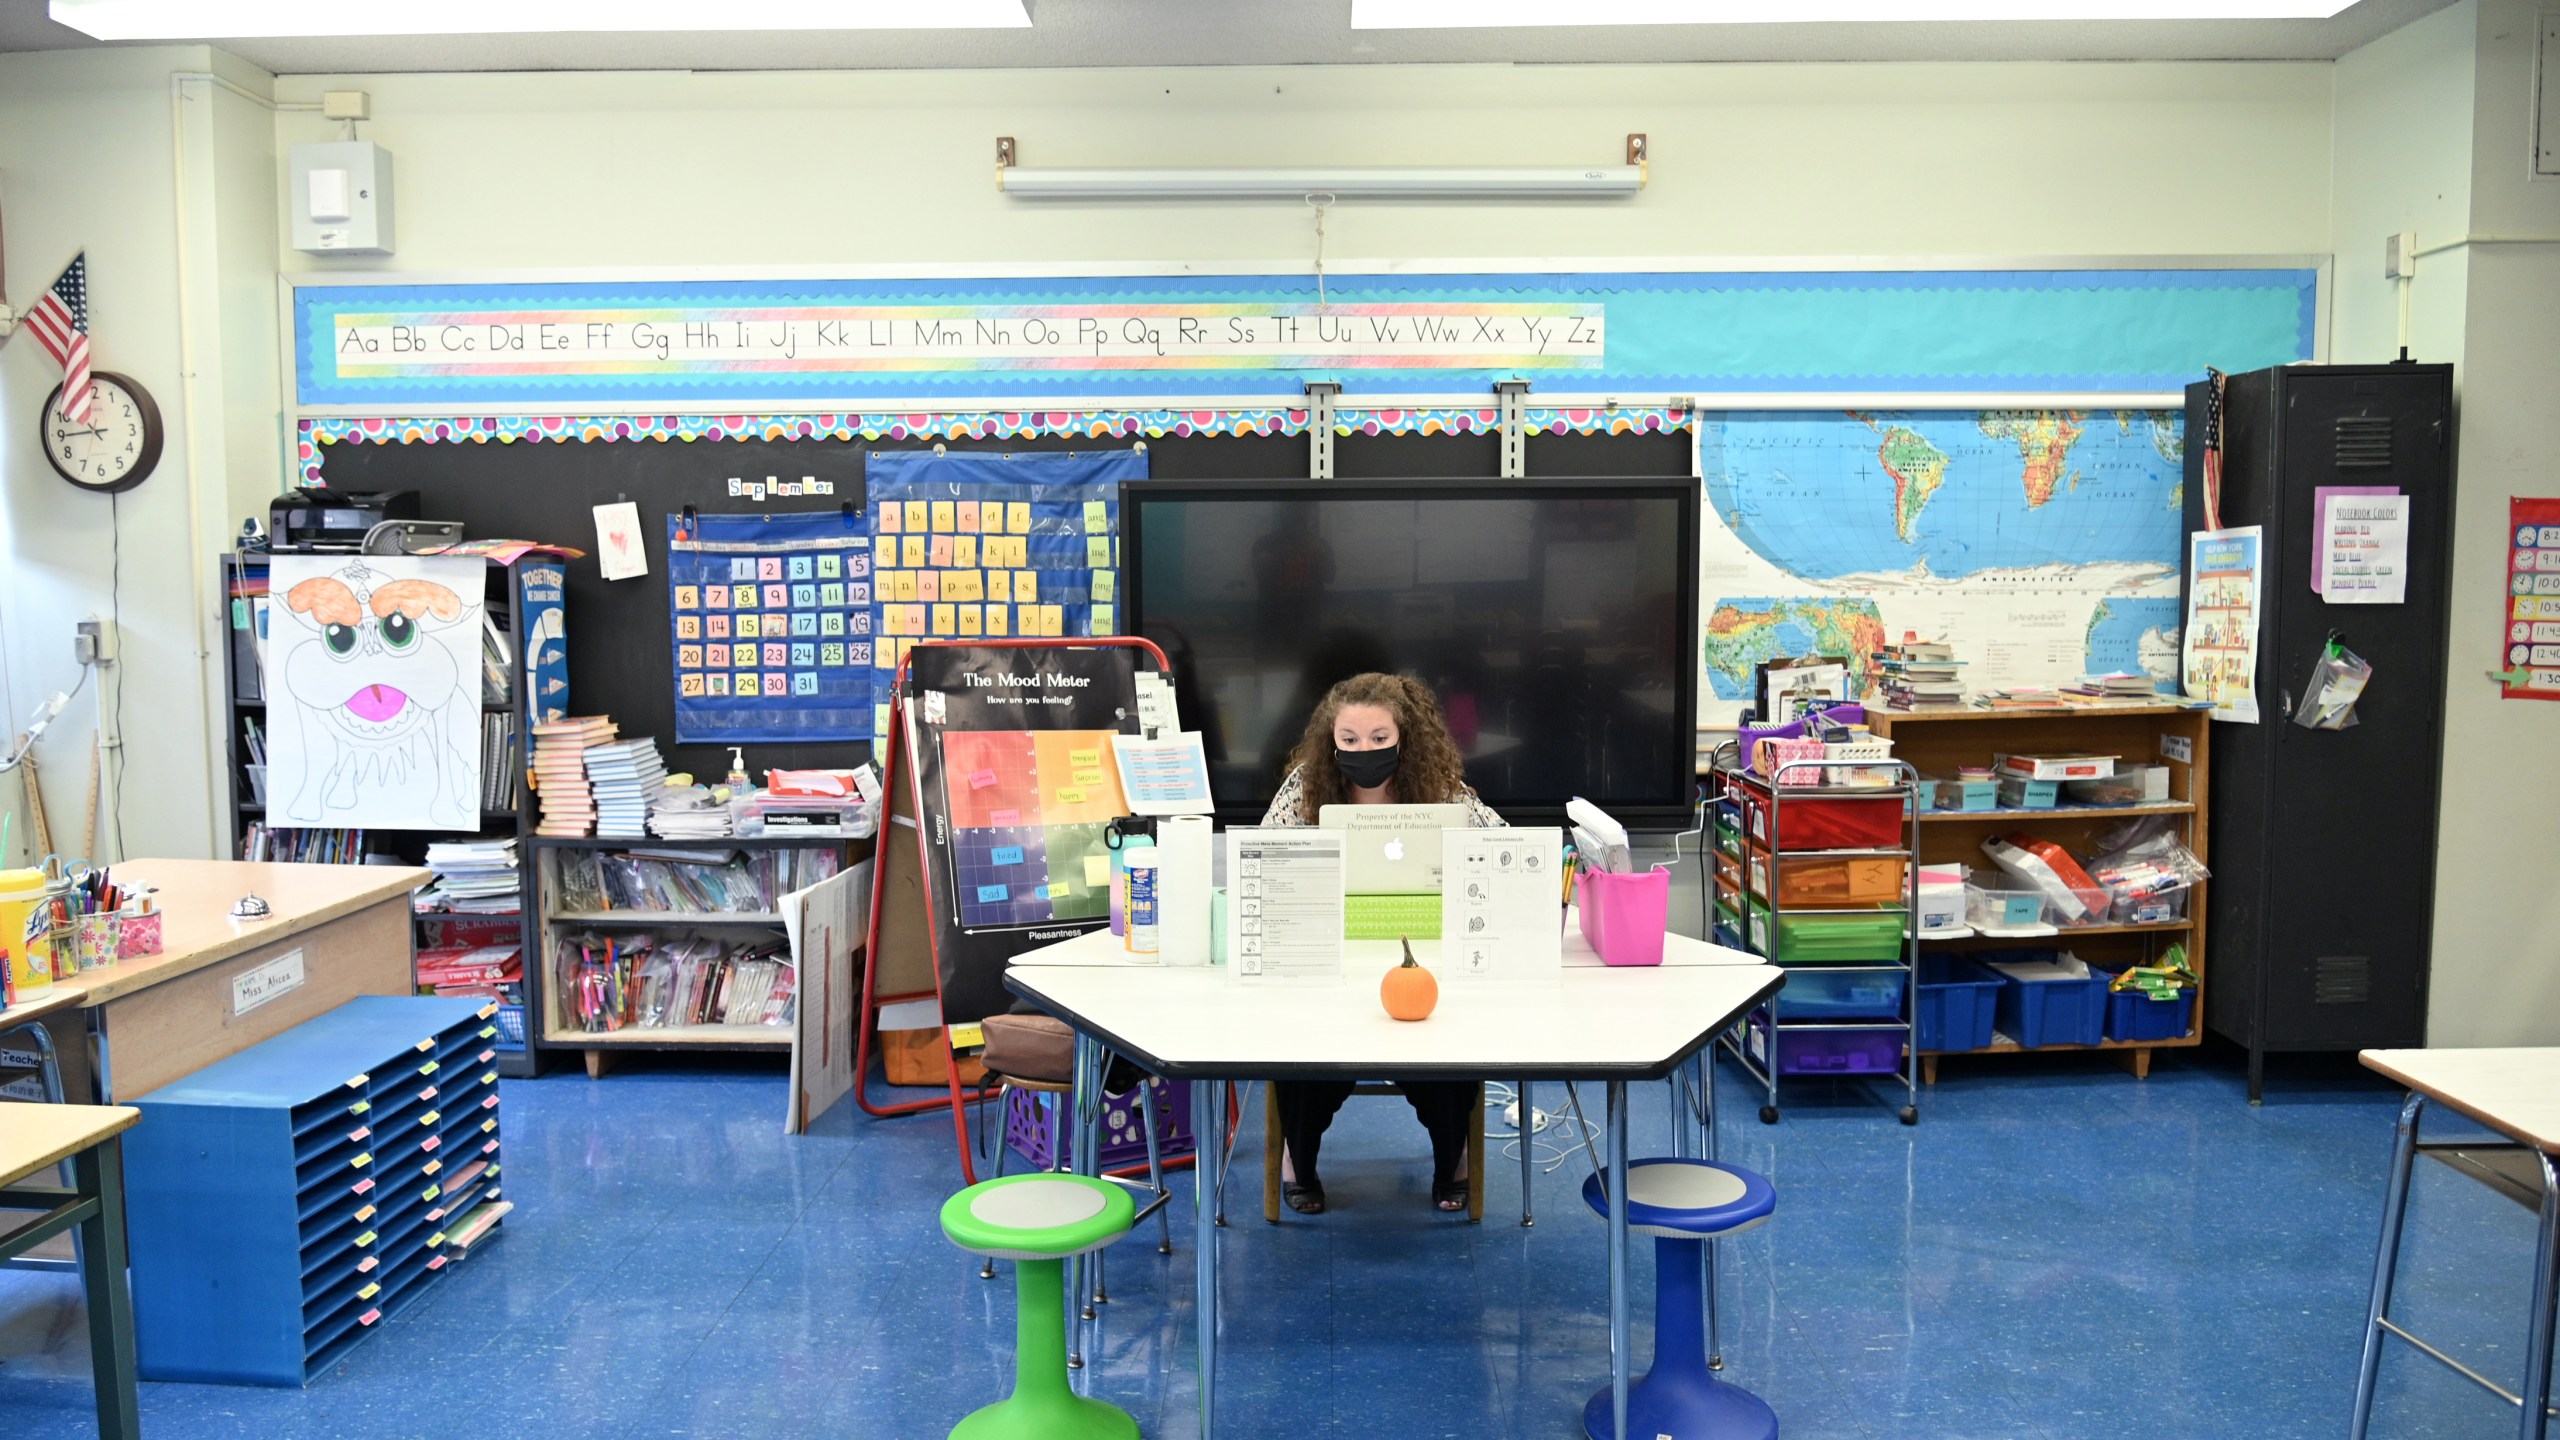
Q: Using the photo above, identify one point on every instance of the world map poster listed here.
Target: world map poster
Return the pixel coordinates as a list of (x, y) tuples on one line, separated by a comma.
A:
[(2042, 544)]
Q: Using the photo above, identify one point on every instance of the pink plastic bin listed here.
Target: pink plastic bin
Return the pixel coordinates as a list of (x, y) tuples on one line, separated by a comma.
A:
[(1624, 916)]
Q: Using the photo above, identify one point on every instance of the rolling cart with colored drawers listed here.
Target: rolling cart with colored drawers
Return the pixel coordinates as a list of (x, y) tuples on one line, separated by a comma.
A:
[(1820, 879), (284, 1202)]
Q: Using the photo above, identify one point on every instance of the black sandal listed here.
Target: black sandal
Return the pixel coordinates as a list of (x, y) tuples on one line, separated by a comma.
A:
[(1305, 1199), (1449, 1196)]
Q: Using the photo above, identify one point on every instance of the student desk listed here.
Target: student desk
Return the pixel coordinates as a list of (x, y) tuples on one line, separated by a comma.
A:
[(2517, 1094), (38, 1137), (1192, 1023), (158, 1018)]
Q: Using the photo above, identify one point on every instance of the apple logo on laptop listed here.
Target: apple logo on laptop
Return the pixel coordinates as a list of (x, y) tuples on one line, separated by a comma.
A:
[(1395, 849)]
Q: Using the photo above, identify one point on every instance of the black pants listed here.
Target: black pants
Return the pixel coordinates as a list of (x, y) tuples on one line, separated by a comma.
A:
[(1307, 1107)]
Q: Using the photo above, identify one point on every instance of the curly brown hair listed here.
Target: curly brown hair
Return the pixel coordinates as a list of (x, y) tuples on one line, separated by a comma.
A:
[(1429, 770)]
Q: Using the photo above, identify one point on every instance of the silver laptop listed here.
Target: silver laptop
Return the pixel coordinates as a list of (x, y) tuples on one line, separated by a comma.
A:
[(1391, 849)]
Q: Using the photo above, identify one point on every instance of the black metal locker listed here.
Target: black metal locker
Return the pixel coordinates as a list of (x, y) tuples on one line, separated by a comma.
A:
[(2323, 843)]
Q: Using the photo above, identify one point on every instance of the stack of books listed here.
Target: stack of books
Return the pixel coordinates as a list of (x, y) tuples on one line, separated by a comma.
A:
[(2121, 685), (2022, 697), (625, 775), (1919, 672), (478, 972), (560, 773), (687, 812), (473, 877)]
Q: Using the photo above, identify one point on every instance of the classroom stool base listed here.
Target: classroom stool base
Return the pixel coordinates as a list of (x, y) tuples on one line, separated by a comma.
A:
[(1047, 1417), (1683, 1405)]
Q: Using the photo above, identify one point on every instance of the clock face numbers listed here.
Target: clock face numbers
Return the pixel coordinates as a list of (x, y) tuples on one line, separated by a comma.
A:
[(104, 449)]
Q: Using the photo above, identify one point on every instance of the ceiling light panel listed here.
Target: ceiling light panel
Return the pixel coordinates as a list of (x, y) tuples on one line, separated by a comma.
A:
[(242, 19), (1504, 14)]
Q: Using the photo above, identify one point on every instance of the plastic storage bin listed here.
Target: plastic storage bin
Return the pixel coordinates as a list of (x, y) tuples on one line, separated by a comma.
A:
[(1124, 1137), (2019, 793), (1990, 909), (1624, 916), (1822, 821), (2037, 1013), (1826, 880), (1867, 939), (1941, 896), (1818, 994), (1728, 929), (1828, 1052), (1960, 795), (2132, 1015), (1958, 1000)]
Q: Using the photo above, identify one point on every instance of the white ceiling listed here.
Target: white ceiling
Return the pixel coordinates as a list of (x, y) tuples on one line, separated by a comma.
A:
[(1283, 32)]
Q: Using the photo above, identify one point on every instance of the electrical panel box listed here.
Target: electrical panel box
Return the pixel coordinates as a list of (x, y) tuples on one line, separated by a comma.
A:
[(339, 198)]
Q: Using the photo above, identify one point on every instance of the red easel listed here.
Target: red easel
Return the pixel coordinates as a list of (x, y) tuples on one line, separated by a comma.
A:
[(900, 780)]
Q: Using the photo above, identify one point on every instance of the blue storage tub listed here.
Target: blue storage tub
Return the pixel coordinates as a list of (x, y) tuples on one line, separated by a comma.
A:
[(1816, 993), (2132, 1015), (1957, 998), (2037, 1013)]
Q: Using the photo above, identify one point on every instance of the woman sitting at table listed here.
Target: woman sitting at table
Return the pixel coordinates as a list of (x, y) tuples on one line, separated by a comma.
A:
[(1374, 740)]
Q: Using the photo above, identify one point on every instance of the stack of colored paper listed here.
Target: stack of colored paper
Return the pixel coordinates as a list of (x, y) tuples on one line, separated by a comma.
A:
[(625, 775), (560, 773)]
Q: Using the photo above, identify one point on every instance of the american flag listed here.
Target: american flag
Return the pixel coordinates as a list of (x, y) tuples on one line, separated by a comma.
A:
[(61, 324)]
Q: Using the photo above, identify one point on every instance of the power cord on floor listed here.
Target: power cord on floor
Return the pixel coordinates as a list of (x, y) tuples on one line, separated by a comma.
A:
[(1552, 1138)]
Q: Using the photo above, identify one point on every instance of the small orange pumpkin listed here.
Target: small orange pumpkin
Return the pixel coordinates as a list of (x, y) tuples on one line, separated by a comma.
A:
[(1408, 991)]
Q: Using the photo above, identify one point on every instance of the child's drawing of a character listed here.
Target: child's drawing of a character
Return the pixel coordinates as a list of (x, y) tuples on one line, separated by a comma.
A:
[(372, 691)]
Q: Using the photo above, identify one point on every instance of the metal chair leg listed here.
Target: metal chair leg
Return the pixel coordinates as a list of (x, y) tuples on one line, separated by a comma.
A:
[(1526, 1129), (1155, 1165), (1227, 1151), (2386, 1260)]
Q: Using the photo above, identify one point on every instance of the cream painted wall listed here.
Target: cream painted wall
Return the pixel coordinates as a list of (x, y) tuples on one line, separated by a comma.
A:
[(2497, 906), (572, 170), (2401, 161), (86, 145)]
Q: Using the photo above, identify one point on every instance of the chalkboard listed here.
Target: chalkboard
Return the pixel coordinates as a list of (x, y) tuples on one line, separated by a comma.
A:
[(619, 658)]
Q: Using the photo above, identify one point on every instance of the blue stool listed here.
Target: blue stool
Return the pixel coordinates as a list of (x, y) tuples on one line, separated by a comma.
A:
[(1684, 1204)]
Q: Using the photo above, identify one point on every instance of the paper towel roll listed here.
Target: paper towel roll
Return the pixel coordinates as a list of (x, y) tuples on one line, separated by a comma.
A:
[(1182, 889)]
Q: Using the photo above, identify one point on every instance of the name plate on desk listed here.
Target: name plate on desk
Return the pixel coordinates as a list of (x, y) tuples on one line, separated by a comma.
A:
[(259, 984)]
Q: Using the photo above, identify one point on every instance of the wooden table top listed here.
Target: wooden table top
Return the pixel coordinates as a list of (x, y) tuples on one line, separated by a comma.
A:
[(2515, 1092), (37, 1007), (195, 897), (33, 1137)]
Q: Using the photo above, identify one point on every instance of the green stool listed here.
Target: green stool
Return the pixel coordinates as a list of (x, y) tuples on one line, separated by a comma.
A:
[(1037, 1221)]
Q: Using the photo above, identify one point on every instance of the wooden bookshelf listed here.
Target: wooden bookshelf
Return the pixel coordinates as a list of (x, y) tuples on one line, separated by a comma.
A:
[(1937, 741)]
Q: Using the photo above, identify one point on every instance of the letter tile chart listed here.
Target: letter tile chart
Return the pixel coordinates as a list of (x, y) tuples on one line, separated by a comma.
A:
[(772, 619), (992, 546), (1027, 812)]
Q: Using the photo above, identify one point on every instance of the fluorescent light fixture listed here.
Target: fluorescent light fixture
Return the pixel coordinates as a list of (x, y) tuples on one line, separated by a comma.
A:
[(1507, 14), (240, 19), (1418, 182)]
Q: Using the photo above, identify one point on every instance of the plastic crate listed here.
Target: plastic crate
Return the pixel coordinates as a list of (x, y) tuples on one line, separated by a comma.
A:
[(2036, 1013), (1822, 822), (1829, 1052), (1827, 880), (1818, 994), (1957, 1002), (1874, 938), (2132, 1015), (1026, 1125), (510, 1027)]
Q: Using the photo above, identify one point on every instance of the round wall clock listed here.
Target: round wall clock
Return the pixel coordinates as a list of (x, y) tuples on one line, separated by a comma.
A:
[(115, 448)]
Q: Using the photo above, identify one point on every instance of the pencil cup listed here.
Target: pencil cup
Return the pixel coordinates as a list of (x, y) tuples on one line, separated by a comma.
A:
[(1624, 916), (137, 934), (100, 940)]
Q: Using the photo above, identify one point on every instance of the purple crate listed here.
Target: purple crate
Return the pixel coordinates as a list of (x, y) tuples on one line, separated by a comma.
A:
[(1026, 1125), (1830, 1052)]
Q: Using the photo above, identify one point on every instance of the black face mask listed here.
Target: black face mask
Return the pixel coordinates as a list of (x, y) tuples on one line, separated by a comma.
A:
[(1367, 769)]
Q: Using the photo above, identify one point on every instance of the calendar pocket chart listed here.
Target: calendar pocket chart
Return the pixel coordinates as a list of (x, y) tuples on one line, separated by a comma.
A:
[(994, 547), (771, 618)]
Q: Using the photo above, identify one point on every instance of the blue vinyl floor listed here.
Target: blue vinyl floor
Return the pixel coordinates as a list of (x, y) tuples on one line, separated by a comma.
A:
[(2057, 1250)]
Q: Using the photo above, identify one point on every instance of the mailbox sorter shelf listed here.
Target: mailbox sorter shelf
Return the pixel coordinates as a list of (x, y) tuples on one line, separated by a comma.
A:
[(284, 1202)]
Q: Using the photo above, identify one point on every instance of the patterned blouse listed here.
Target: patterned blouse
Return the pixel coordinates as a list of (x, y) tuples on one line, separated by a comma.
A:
[(1287, 806)]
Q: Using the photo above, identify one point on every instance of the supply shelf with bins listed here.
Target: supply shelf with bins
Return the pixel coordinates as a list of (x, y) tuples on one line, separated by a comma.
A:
[(1819, 879), (1938, 740), (568, 907)]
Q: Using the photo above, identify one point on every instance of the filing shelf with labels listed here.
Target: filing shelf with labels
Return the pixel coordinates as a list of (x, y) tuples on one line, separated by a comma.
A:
[(283, 1203)]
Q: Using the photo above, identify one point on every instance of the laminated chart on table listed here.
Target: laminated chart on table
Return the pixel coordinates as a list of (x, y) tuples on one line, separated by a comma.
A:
[(772, 627), (994, 547), (1027, 812)]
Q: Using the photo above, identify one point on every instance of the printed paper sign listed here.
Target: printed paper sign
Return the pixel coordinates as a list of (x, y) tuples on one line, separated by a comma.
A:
[(259, 984), (2531, 645), (2219, 648)]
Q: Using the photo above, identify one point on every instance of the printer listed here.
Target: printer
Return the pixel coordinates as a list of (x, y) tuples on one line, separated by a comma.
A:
[(333, 520)]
